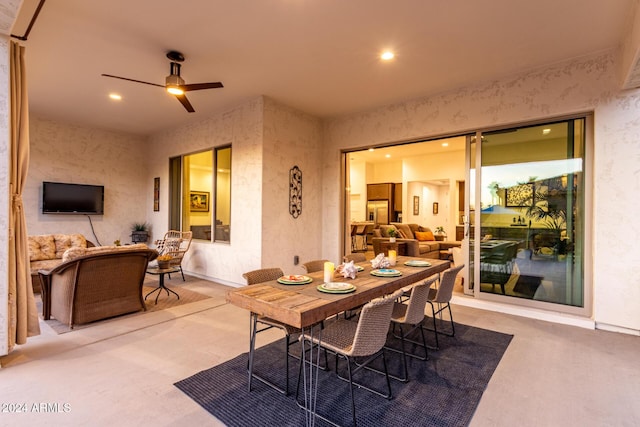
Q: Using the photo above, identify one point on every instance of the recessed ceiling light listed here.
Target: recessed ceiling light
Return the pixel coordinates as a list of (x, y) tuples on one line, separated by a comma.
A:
[(387, 56), (445, 144), (115, 96), (388, 156), (371, 150), (546, 131)]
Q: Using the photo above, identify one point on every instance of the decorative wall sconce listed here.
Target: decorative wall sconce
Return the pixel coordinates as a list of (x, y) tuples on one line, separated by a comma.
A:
[(295, 191)]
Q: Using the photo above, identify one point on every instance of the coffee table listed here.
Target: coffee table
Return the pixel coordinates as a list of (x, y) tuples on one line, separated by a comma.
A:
[(161, 272)]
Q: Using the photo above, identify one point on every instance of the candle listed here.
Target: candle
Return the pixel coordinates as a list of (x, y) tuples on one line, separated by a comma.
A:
[(392, 257), (328, 271)]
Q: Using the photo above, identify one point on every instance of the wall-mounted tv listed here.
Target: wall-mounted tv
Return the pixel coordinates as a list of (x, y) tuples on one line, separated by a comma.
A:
[(62, 198)]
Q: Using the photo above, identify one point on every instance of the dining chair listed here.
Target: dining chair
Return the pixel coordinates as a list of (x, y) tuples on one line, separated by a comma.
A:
[(349, 339), (176, 244), (497, 267), (355, 257), (442, 297), (260, 276), (315, 265), (411, 314)]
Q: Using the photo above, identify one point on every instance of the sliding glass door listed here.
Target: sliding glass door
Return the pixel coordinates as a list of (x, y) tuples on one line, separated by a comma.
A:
[(528, 216)]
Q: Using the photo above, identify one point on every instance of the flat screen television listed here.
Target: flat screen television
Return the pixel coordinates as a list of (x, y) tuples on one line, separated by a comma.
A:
[(62, 198)]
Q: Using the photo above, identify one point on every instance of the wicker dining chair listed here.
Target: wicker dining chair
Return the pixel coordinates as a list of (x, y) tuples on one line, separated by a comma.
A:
[(442, 297), (411, 314), (315, 265), (355, 257), (262, 323), (365, 338)]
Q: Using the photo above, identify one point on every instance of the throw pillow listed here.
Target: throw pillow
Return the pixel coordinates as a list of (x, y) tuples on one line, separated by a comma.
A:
[(405, 231), (424, 236), (41, 247)]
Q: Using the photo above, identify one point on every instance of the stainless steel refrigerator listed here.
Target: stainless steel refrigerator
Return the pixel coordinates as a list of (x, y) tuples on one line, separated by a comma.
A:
[(378, 211)]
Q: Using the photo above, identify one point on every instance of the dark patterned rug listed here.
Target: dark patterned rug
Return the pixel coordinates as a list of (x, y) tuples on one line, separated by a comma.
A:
[(443, 391)]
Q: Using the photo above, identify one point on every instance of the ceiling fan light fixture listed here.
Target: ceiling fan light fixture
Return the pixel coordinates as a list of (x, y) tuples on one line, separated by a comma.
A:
[(175, 90)]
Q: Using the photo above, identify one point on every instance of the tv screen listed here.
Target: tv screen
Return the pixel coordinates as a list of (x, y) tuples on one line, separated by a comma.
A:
[(62, 198)]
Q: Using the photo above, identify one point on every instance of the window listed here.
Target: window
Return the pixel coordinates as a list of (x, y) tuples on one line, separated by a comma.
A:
[(198, 194)]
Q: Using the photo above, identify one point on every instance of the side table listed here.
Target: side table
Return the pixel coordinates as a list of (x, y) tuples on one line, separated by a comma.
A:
[(161, 272)]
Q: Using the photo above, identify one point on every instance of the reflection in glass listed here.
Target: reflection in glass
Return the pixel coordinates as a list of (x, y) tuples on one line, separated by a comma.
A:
[(532, 193)]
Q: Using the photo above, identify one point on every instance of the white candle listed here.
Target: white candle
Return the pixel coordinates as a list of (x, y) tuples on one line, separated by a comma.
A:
[(392, 257), (328, 271)]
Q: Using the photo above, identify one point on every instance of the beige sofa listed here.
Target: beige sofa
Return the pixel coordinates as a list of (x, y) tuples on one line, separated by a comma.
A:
[(417, 238), (46, 251)]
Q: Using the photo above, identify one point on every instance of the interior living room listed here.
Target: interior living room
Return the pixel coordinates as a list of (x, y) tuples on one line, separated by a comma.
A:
[(270, 170)]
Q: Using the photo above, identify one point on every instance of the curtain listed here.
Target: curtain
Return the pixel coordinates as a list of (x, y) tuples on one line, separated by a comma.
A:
[(23, 316)]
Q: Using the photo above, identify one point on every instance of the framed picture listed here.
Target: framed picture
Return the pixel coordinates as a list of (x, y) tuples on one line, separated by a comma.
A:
[(199, 201), (156, 194), (416, 205), (435, 208)]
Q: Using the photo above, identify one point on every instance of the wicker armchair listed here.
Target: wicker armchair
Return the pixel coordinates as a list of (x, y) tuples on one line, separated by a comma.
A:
[(175, 243), (365, 338), (95, 286), (315, 265), (259, 276)]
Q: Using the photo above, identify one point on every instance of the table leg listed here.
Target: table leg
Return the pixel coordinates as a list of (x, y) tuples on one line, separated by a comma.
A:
[(310, 377), (159, 289)]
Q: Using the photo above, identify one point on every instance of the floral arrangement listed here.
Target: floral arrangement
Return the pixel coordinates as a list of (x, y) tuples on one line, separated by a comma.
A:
[(164, 258)]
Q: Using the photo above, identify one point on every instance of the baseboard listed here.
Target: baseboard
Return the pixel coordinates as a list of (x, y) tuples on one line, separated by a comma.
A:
[(619, 329), (532, 313)]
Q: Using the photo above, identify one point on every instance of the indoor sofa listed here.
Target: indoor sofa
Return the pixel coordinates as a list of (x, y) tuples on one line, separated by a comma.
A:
[(95, 283), (419, 240)]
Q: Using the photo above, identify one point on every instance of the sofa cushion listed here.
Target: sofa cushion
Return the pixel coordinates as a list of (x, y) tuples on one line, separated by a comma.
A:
[(405, 231), (73, 253), (45, 264), (414, 228), (423, 236), (41, 247), (66, 241), (384, 230)]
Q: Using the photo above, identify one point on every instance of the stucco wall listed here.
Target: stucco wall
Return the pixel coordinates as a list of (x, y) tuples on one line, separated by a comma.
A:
[(66, 153), (4, 190), (242, 127), (291, 138), (580, 85)]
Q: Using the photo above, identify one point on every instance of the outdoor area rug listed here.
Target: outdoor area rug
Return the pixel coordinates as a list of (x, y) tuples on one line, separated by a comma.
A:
[(442, 391), (164, 302)]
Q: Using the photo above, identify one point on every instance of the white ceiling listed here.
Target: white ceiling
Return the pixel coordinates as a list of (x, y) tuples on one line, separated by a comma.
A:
[(319, 56)]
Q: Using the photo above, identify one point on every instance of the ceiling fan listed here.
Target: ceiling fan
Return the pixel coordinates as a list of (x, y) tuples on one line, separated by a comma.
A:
[(174, 84)]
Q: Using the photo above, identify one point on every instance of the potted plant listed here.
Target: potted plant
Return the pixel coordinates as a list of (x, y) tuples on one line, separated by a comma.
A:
[(392, 235), (164, 261), (439, 233), (139, 232)]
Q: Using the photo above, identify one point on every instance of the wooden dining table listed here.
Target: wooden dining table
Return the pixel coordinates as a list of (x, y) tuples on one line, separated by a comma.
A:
[(304, 306)]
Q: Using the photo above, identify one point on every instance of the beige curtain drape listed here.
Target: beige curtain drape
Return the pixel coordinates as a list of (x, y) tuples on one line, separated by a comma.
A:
[(23, 316)]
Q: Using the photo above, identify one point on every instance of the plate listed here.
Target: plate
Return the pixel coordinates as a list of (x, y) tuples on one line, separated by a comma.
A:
[(417, 263), (360, 268), (386, 272), (295, 279), (336, 288)]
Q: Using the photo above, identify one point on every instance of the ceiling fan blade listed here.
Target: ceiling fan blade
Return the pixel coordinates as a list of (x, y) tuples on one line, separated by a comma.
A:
[(200, 86), (185, 103), (131, 80)]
